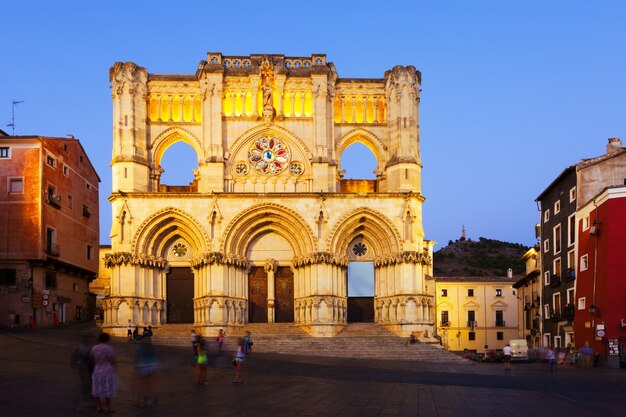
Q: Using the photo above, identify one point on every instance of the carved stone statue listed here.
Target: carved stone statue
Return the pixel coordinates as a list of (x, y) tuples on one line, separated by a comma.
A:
[(267, 81)]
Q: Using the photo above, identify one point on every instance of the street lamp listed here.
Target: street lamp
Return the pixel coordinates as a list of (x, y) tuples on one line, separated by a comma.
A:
[(592, 309)]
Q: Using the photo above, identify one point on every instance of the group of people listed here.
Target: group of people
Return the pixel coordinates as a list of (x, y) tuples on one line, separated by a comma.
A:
[(201, 354), (133, 334)]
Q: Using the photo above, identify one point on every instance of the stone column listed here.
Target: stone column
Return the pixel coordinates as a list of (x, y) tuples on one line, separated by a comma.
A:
[(270, 269)]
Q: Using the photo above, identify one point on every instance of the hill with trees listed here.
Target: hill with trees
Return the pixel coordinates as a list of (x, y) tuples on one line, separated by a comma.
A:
[(484, 257)]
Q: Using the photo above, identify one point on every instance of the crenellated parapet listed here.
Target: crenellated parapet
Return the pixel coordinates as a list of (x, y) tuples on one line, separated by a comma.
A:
[(320, 258), (115, 259), (406, 257)]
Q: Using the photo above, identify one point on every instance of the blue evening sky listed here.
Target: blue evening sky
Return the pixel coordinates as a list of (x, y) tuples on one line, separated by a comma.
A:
[(513, 91)]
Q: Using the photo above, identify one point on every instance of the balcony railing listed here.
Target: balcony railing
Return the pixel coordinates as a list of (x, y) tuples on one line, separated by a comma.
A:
[(555, 317), (53, 200), (52, 249), (568, 312), (555, 281), (500, 323), (570, 275), (472, 324), (444, 324)]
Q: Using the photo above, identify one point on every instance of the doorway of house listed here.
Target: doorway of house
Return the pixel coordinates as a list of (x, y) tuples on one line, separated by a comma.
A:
[(361, 292), (180, 295)]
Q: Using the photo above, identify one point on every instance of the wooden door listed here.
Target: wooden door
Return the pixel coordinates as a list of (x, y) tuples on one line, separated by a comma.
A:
[(361, 309), (257, 295), (180, 295), (284, 295)]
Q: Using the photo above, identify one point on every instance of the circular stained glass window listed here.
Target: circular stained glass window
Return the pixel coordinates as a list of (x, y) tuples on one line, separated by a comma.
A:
[(242, 168), (359, 249), (269, 156), (296, 168), (179, 250)]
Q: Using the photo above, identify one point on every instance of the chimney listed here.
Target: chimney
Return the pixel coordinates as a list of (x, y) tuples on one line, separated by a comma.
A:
[(615, 144), (509, 273)]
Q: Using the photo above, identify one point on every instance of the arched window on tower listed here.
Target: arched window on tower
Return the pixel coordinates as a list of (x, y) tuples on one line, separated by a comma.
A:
[(180, 165), (358, 165)]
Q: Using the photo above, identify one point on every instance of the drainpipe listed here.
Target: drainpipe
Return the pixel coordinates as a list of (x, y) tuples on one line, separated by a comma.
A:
[(595, 270)]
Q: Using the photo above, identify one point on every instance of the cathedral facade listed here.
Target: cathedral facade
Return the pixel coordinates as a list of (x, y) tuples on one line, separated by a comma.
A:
[(266, 230)]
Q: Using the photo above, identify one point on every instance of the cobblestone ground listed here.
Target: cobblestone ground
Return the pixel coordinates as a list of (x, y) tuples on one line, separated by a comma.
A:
[(36, 380)]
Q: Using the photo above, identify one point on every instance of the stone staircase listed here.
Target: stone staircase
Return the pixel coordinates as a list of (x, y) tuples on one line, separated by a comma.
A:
[(356, 340)]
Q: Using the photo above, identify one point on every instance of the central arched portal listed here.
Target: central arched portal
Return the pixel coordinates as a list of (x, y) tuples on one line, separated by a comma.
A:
[(180, 295), (270, 280), (361, 292)]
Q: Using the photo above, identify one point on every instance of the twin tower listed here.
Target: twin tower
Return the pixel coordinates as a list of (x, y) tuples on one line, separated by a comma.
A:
[(268, 226)]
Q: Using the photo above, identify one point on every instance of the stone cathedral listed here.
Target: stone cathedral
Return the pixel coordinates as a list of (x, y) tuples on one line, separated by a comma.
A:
[(266, 230)]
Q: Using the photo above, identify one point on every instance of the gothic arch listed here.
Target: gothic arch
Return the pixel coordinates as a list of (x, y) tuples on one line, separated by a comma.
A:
[(373, 226), (169, 137), (279, 132), (365, 137), (265, 218), (165, 226)]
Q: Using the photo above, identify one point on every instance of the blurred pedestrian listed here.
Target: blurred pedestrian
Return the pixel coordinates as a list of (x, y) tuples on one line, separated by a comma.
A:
[(82, 364), (203, 361), (238, 361), (146, 365), (221, 335), (508, 353), (129, 330), (103, 379), (247, 343), (194, 346)]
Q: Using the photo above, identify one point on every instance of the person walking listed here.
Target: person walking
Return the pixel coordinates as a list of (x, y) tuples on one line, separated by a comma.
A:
[(194, 346), (220, 339), (238, 361), (146, 366), (81, 362), (247, 343), (129, 330), (103, 378), (508, 353), (203, 361)]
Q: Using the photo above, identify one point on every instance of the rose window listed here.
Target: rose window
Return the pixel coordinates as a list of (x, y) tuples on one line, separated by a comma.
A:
[(359, 249), (179, 250), (269, 156)]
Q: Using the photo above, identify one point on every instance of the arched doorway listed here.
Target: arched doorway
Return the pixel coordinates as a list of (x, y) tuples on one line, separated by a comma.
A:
[(270, 280), (180, 295), (361, 291)]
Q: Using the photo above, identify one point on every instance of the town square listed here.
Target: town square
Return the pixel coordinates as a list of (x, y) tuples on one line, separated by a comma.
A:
[(346, 209)]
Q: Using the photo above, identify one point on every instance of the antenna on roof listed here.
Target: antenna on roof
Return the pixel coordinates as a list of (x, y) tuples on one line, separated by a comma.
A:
[(12, 124)]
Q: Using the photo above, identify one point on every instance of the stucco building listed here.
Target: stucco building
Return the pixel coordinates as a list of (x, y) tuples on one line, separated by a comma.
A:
[(474, 312), (529, 295), (268, 226), (49, 230)]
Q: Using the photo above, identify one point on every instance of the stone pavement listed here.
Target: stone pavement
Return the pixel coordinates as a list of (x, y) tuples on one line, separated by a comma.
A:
[(36, 380)]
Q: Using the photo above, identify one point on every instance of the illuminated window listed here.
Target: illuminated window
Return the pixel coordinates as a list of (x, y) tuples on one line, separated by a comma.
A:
[(498, 292), (444, 292)]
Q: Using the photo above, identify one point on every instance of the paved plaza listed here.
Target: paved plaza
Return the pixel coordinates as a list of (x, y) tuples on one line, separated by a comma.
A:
[(37, 380)]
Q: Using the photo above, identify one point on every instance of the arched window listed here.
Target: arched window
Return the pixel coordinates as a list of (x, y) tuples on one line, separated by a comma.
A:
[(178, 163), (359, 162)]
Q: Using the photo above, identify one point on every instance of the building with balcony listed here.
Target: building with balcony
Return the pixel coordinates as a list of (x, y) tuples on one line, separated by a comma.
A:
[(49, 230), (559, 204), (267, 228), (601, 288), (474, 312), (529, 290)]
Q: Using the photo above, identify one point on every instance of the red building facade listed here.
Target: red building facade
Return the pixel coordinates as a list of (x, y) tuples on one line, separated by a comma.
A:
[(601, 283), (48, 230)]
